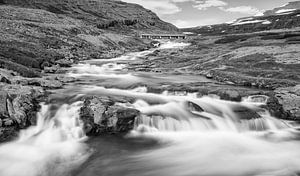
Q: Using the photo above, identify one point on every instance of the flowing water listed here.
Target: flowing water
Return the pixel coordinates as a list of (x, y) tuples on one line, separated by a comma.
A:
[(178, 133)]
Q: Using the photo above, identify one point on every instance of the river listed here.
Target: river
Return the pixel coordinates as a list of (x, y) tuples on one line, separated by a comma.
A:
[(216, 142)]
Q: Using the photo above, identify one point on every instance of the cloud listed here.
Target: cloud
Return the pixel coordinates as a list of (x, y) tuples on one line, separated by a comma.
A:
[(195, 22), (161, 7), (203, 5), (242, 9)]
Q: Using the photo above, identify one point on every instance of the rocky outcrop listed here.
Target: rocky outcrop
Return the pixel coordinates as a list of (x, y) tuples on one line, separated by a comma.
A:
[(102, 115), (18, 108), (289, 98)]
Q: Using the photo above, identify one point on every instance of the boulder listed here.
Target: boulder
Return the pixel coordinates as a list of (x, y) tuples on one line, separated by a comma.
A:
[(102, 115), (289, 99), (18, 108), (275, 108), (231, 95)]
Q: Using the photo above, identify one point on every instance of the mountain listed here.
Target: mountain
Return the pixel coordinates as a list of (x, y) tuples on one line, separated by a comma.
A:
[(285, 17), (37, 34), (285, 9), (102, 13)]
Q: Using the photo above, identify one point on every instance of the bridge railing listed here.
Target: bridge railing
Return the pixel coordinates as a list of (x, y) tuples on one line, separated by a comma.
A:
[(162, 36)]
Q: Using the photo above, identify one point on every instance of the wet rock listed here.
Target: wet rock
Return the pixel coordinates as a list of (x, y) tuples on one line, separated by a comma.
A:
[(21, 105), (257, 98), (8, 133), (52, 69), (126, 117), (193, 107), (3, 104), (279, 106), (14, 90), (244, 113), (289, 99), (101, 115), (275, 108), (65, 62), (231, 95), (209, 76), (42, 82), (18, 108), (5, 76), (65, 79), (4, 79)]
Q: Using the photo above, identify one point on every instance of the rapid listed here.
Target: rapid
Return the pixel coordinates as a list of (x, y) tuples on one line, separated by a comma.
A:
[(178, 134)]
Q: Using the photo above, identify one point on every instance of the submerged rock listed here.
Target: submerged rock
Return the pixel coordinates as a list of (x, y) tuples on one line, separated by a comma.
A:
[(244, 113), (102, 115)]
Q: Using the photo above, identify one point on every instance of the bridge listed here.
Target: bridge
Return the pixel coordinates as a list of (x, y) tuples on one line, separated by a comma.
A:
[(163, 36)]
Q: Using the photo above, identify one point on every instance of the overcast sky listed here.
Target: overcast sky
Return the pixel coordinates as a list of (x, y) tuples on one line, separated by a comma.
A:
[(190, 13)]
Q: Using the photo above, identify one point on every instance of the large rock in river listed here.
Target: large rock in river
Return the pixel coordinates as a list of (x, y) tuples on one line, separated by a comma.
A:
[(289, 98), (102, 115), (18, 108)]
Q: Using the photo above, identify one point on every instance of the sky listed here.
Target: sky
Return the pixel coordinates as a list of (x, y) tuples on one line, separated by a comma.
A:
[(191, 13)]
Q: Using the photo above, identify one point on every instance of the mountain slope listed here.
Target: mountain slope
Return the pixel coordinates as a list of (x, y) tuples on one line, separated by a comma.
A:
[(102, 13), (35, 34), (285, 9), (285, 17)]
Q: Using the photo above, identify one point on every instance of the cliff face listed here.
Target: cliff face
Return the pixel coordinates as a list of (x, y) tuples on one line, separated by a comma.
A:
[(285, 17), (104, 14)]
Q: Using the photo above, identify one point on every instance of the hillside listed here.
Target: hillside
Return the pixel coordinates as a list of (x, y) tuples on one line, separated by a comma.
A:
[(285, 17), (104, 14), (35, 34)]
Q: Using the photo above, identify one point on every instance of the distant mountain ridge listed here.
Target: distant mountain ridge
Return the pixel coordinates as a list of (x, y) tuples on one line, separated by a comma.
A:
[(284, 17), (295, 5)]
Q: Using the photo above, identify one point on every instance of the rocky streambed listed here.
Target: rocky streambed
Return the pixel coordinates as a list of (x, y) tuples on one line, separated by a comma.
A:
[(101, 117), (104, 114)]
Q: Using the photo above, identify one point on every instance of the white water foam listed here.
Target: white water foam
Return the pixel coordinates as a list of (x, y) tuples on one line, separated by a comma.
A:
[(170, 45), (53, 147), (186, 108), (218, 153), (110, 70)]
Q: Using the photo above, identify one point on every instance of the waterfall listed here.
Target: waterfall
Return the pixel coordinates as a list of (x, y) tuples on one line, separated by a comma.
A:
[(54, 146), (217, 115)]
